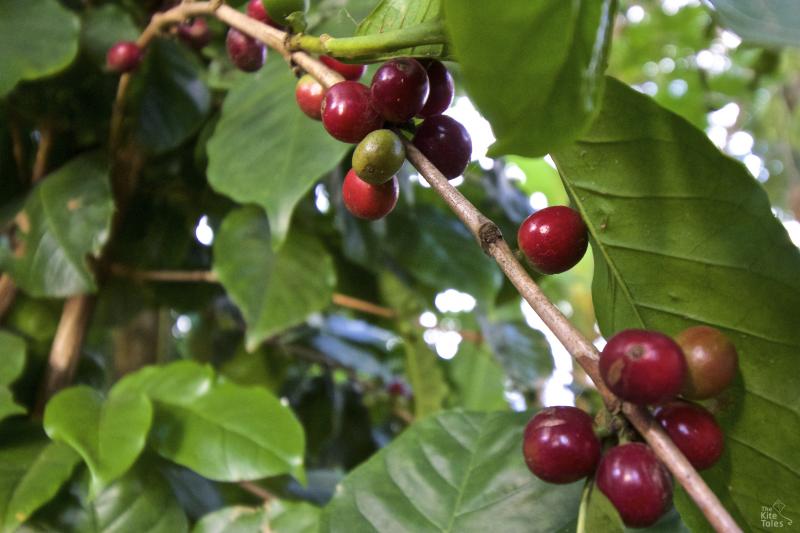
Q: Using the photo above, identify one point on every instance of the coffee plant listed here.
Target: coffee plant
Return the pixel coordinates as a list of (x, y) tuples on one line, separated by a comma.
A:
[(351, 265)]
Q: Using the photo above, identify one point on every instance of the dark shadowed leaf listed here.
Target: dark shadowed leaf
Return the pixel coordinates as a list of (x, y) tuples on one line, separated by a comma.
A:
[(274, 290), (32, 470), (36, 39), (454, 471), (174, 100), (65, 219), (683, 235), (534, 69), (12, 362)]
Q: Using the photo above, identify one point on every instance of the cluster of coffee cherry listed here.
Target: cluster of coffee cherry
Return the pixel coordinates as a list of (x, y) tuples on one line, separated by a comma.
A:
[(402, 89), (644, 368)]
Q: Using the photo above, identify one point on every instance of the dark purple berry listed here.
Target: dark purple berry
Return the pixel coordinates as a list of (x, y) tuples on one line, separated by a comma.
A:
[(445, 143), (399, 89), (442, 89), (245, 52)]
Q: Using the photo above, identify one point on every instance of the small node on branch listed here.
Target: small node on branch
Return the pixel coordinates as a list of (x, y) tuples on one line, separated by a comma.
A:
[(489, 234)]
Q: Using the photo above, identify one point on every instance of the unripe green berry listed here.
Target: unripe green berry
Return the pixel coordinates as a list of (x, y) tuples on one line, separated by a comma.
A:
[(378, 157)]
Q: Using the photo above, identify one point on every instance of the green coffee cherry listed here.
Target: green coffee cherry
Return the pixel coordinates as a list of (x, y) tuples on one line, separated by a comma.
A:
[(280, 9), (378, 157)]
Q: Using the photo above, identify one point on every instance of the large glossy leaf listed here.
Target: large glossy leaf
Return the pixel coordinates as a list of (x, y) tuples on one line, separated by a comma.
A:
[(453, 472), (534, 69), (36, 39), (222, 431), (32, 470), (265, 150), (102, 27), (65, 219), (109, 434), (12, 362), (273, 290), (173, 99), (766, 22), (684, 235), (389, 15), (440, 252)]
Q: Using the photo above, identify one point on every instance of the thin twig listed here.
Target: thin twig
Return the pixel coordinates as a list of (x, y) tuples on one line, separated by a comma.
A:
[(42, 152), (256, 490), (188, 276), (8, 291), (66, 347), (362, 305)]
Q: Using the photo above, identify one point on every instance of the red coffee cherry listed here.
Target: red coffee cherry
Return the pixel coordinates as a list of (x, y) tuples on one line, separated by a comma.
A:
[(445, 143), (693, 430), (636, 483), (442, 88), (643, 367), (368, 201), (124, 56), (347, 113), (399, 89), (245, 52), (350, 72), (711, 360), (196, 33), (256, 10), (560, 445), (553, 239), (309, 94)]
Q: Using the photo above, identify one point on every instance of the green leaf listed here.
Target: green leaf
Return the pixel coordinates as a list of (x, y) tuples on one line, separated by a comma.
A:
[(597, 513), (12, 357), (425, 377), (293, 517), (37, 39), (102, 27), (273, 290), (265, 150), (9, 407), (440, 252), (683, 235), (32, 471), (767, 22), (453, 472), (236, 519), (222, 431), (391, 15), (478, 379), (174, 100), (65, 219), (279, 516), (533, 69), (109, 434), (142, 501)]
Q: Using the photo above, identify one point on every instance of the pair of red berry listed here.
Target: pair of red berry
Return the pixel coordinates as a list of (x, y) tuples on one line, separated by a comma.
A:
[(560, 446)]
